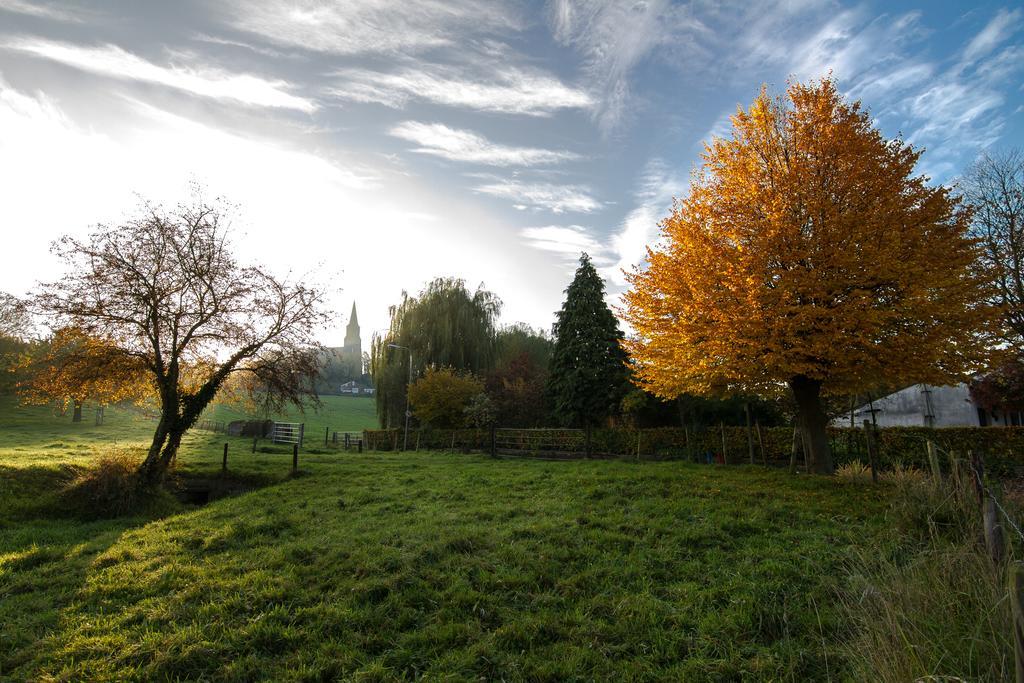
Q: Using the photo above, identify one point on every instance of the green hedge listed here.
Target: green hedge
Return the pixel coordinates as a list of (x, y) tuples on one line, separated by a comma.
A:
[(1002, 447)]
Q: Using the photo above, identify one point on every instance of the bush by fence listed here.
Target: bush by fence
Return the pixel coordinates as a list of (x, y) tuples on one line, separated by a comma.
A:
[(1003, 447)]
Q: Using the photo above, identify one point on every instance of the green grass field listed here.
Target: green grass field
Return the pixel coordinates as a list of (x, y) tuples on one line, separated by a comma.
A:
[(400, 566)]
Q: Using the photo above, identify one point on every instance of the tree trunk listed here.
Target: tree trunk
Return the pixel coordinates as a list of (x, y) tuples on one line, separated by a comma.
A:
[(77, 415), (813, 422), (163, 449)]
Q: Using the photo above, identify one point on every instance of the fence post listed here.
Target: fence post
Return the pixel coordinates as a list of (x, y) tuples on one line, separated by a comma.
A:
[(686, 441), (750, 433), (327, 435), (1017, 605), (994, 539), (224, 464), (494, 442), (869, 437), (302, 432), (638, 434), (587, 444), (418, 430), (978, 473), (254, 440), (933, 461), (760, 443), (295, 457), (725, 451), (792, 454), (360, 444)]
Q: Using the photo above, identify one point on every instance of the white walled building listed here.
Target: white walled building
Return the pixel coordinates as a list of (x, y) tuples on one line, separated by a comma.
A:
[(925, 405)]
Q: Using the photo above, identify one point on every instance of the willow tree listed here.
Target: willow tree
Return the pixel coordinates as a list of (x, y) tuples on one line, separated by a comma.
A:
[(808, 253), (164, 292), (446, 326)]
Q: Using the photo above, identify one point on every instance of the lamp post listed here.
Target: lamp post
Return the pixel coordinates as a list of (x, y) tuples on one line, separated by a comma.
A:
[(405, 441)]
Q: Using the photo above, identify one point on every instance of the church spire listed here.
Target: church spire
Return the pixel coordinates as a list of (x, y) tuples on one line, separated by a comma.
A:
[(352, 340)]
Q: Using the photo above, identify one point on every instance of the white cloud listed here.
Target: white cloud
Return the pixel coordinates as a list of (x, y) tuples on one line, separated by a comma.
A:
[(557, 198), (614, 38), (298, 211), (463, 145), (1001, 27), (112, 61), (562, 239), (658, 184), (43, 10), (368, 26), (509, 89)]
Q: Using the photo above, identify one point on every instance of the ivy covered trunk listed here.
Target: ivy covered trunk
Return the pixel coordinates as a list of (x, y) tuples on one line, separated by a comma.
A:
[(813, 422)]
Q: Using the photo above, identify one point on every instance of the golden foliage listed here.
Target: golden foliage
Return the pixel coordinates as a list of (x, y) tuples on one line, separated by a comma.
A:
[(441, 396), (75, 366), (808, 247)]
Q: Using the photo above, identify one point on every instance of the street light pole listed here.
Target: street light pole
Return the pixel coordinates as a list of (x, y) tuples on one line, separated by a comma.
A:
[(405, 440)]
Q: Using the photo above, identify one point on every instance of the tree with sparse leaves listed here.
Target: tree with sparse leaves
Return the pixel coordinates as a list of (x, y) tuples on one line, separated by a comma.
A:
[(994, 186), (588, 373), (163, 291), (807, 253)]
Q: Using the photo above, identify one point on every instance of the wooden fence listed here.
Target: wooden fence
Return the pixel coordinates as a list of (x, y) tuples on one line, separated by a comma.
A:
[(1003, 447)]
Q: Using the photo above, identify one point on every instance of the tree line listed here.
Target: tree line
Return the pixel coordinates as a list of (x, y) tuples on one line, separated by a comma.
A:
[(809, 261)]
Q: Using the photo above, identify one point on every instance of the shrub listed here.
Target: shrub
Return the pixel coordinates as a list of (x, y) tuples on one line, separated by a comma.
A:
[(854, 471), (109, 489), (440, 397)]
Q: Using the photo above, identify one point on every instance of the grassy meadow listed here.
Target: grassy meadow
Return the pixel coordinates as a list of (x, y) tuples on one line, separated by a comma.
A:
[(401, 566)]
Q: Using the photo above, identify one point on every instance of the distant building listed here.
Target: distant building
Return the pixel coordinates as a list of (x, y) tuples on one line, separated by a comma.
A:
[(355, 389), (343, 365), (352, 352), (924, 405)]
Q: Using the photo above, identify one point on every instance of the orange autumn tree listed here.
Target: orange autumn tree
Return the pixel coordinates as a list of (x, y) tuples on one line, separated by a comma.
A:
[(809, 254), (74, 366)]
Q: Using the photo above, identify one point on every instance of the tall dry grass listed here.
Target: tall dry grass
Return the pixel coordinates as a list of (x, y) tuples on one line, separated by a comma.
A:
[(929, 606)]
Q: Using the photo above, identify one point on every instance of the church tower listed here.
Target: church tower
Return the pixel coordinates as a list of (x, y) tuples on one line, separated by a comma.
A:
[(352, 351)]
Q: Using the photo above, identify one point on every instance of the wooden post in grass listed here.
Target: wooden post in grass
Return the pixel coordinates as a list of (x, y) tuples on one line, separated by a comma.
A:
[(494, 442), (295, 457), (686, 442), (1017, 607), (750, 432), (725, 451), (978, 474), (327, 435), (587, 444), (224, 463), (418, 440), (792, 454), (638, 433), (760, 442), (302, 433), (254, 440), (869, 440), (933, 461), (995, 541)]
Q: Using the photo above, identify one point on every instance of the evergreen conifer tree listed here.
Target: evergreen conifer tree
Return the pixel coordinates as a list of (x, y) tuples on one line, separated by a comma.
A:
[(588, 367)]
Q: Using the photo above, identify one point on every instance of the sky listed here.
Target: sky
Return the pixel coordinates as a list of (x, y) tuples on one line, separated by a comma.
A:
[(369, 146)]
